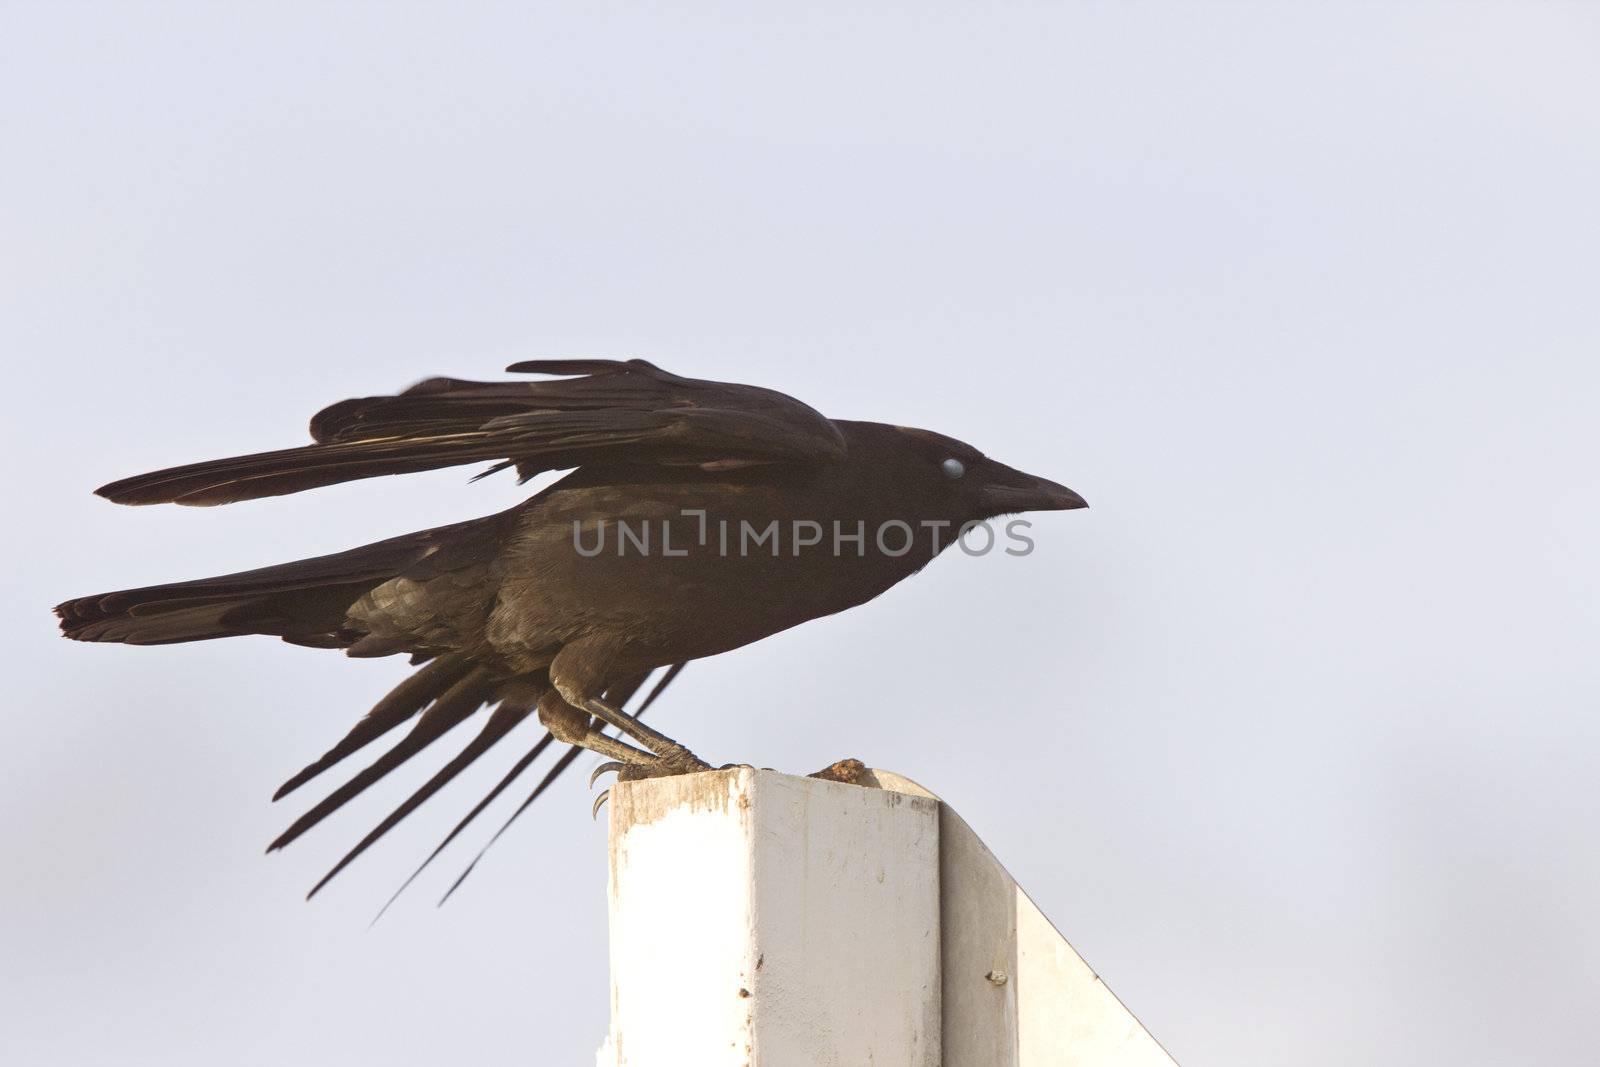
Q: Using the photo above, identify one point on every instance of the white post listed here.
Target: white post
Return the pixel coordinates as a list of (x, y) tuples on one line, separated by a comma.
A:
[(764, 920)]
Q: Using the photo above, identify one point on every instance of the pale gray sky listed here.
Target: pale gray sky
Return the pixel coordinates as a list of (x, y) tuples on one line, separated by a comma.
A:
[(1294, 733)]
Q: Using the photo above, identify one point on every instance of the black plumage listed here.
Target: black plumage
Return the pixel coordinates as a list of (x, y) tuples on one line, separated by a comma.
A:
[(734, 512)]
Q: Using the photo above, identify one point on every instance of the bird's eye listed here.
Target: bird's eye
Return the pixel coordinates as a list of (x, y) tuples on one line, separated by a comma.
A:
[(953, 468)]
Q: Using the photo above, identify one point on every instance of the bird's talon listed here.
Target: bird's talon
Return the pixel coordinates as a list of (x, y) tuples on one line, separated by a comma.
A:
[(594, 812), (611, 765)]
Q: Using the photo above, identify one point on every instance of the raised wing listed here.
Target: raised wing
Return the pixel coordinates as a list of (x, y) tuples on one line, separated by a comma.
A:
[(606, 412)]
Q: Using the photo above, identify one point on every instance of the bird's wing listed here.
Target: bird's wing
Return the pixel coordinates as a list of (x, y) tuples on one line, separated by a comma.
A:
[(595, 412)]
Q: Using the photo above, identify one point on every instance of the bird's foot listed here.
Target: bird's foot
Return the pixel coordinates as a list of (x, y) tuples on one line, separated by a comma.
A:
[(678, 760), (639, 774), (675, 761)]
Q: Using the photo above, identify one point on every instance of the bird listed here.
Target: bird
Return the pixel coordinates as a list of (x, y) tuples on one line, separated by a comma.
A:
[(694, 517)]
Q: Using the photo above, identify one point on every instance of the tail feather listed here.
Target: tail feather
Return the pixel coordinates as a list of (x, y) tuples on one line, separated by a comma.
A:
[(304, 601)]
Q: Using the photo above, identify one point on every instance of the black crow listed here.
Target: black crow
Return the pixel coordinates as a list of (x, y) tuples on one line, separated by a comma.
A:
[(697, 517)]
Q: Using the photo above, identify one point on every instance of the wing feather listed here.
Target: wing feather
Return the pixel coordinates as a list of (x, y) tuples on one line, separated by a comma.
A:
[(609, 413)]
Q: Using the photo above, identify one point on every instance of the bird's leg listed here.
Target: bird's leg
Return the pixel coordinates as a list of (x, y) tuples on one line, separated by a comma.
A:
[(668, 753), (571, 726), (574, 726), (581, 673)]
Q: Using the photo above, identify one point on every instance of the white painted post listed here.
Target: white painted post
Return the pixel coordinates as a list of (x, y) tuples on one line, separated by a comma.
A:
[(764, 920)]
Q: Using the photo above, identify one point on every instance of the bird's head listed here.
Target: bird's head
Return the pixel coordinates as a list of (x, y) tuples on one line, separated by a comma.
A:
[(950, 479)]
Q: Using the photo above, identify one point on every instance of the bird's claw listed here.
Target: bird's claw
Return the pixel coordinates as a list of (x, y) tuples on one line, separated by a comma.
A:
[(612, 765), (605, 795)]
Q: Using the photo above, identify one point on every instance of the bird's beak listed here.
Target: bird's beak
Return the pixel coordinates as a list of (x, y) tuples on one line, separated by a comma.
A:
[(1007, 490)]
